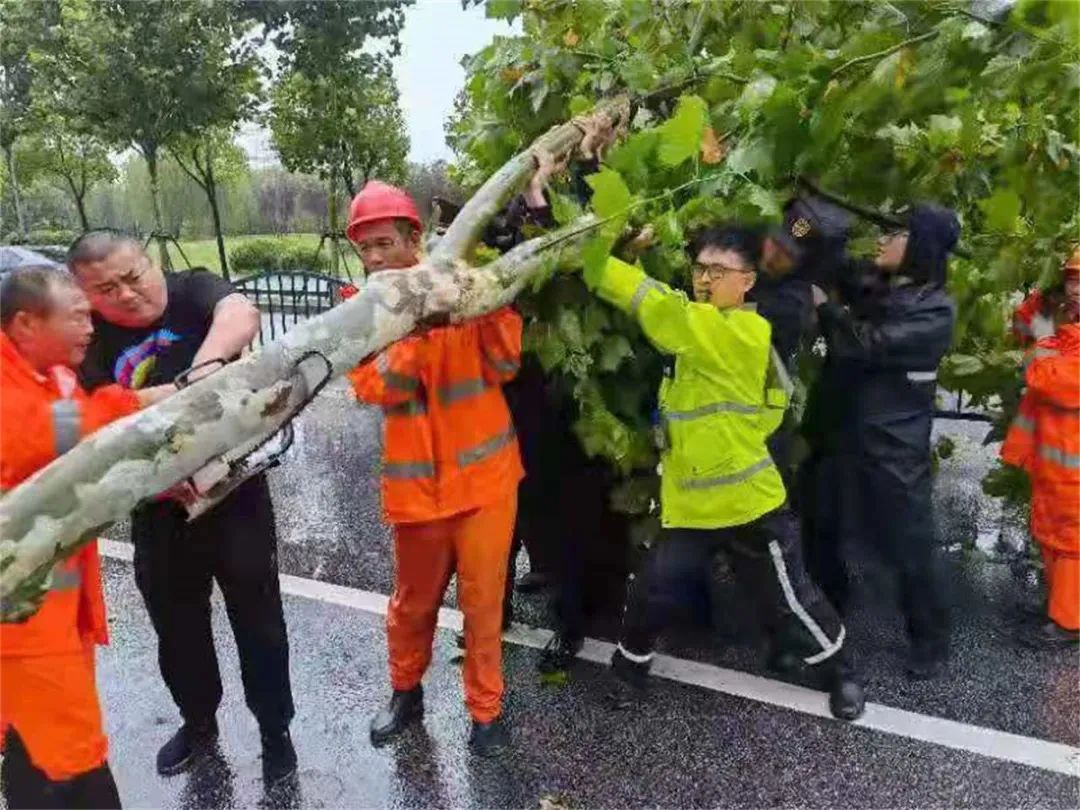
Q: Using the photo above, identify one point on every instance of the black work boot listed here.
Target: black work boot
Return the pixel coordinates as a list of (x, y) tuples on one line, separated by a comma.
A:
[(404, 708), (628, 682), (1050, 636), (278, 756), (188, 745), (489, 739), (927, 660), (847, 698), (533, 582), (559, 653)]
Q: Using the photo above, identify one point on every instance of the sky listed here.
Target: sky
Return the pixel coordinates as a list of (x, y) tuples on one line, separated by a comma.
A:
[(437, 34)]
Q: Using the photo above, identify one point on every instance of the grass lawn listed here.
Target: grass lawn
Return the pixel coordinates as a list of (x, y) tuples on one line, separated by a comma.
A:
[(203, 252)]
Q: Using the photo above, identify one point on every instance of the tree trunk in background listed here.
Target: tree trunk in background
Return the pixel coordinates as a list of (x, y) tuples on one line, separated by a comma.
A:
[(332, 216), (155, 199), (16, 198), (211, 193)]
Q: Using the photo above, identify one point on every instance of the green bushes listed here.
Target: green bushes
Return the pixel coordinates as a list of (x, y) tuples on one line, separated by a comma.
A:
[(44, 236), (257, 255)]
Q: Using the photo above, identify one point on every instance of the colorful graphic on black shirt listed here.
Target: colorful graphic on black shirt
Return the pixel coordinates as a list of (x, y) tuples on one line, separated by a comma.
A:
[(134, 365)]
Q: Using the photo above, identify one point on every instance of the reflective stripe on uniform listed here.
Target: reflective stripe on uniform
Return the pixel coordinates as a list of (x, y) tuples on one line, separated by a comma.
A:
[(485, 448), (408, 469), (922, 376), (637, 659), (782, 376), (65, 419), (462, 390), (1023, 423), (502, 366), (455, 392), (1060, 457), (412, 407), (643, 290), (1037, 353), (65, 579), (707, 410), (828, 648), (401, 382), (722, 480)]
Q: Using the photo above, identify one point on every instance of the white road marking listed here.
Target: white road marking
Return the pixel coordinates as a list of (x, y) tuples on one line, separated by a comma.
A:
[(988, 742)]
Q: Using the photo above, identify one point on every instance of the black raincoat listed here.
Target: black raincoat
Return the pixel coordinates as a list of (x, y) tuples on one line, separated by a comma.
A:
[(873, 416)]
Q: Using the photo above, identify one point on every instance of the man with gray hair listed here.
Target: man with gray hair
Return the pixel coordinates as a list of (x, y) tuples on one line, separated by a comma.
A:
[(149, 328)]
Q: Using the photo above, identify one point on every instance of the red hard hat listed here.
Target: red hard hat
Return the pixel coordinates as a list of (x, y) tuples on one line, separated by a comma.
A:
[(1072, 264), (377, 201)]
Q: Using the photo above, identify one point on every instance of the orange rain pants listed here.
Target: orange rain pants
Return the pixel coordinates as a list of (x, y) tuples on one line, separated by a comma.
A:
[(52, 702), (475, 545), (1062, 573)]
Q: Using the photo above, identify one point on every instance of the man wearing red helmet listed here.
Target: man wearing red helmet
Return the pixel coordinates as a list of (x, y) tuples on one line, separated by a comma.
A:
[(450, 473)]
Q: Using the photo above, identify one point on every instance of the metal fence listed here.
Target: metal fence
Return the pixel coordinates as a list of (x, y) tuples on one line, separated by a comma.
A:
[(286, 298)]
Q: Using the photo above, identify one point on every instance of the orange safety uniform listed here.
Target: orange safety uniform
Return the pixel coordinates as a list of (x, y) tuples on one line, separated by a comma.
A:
[(47, 689), (1030, 322), (1044, 440), (450, 472)]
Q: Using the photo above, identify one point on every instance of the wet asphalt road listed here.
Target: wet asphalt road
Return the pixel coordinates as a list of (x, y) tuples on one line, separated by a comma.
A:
[(688, 747)]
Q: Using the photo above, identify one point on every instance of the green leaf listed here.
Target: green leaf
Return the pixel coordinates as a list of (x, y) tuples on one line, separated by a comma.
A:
[(570, 328), (944, 132), (1002, 210), (610, 194), (580, 104), (613, 350), (680, 136), (766, 201), (639, 73), (631, 158), (594, 256), (752, 156), (503, 9), (565, 209), (757, 92)]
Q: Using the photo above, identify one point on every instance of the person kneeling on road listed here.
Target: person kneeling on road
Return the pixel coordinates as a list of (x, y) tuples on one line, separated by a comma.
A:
[(720, 490)]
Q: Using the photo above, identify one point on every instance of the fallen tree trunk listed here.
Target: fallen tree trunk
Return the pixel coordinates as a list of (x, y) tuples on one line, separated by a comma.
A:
[(104, 477)]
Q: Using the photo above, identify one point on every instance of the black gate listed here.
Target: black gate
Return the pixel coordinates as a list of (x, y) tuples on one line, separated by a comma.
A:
[(286, 298)]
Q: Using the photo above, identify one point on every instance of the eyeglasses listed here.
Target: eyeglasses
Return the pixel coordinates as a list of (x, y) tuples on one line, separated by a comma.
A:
[(717, 269)]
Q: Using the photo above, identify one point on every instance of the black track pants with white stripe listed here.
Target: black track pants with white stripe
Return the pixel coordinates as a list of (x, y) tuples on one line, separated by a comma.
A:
[(766, 556)]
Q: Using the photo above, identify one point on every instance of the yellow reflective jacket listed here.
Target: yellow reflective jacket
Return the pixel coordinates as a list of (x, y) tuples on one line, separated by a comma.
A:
[(727, 394)]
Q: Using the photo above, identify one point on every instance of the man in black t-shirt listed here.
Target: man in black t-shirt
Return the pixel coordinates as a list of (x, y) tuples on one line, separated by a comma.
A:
[(149, 327)]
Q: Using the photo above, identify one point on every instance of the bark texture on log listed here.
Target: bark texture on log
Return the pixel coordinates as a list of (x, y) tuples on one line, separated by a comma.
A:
[(102, 479), (105, 476)]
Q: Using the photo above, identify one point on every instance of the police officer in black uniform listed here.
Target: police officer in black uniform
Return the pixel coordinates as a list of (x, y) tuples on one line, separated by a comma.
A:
[(806, 249), (886, 332)]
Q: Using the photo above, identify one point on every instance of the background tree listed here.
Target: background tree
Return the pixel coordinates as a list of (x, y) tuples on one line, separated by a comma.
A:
[(149, 74), (77, 161), (23, 26), (334, 107), (207, 158)]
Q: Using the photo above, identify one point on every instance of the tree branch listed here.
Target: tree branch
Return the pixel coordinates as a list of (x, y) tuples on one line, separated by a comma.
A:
[(190, 172), (104, 477), (698, 30), (493, 195), (870, 57)]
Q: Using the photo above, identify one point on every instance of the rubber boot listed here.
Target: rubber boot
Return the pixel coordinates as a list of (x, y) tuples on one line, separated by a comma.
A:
[(1050, 636), (278, 757), (847, 698), (629, 681), (190, 743), (559, 653), (489, 739), (405, 708), (927, 660)]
